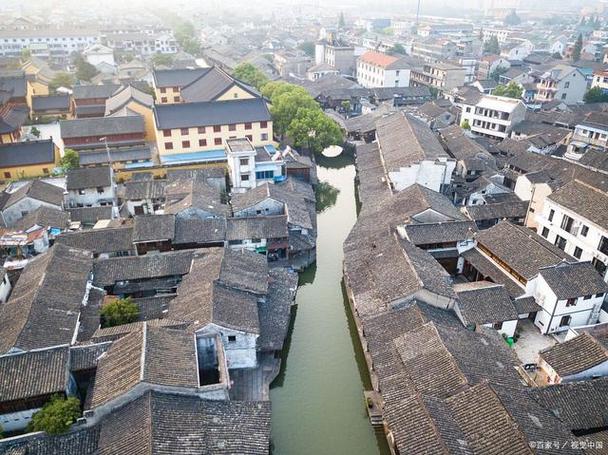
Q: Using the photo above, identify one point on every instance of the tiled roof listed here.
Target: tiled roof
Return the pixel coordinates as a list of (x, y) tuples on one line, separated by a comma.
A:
[(197, 231), (573, 280), (260, 227), (36, 189), (89, 177), (451, 231), (211, 85), (101, 126), (39, 313), (33, 374), (275, 311), (90, 215), (575, 355), (177, 77), (584, 200), (487, 268), (118, 331), (27, 153), (483, 302), (110, 240), (125, 96), (94, 91), (45, 217), (378, 59), (50, 103), (148, 228), (85, 357), (497, 211)]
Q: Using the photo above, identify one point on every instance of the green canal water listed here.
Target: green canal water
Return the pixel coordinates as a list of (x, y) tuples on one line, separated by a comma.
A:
[(317, 399)]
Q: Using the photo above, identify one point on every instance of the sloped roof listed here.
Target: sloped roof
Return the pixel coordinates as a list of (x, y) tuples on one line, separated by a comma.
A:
[(88, 177), (101, 126), (109, 240), (585, 200), (575, 355), (484, 302), (36, 189), (378, 59), (126, 95), (211, 85), (27, 153), (573, 280), (177, 77)]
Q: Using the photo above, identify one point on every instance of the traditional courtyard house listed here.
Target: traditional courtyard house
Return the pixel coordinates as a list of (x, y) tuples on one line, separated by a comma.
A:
[(375, 69), (20, 201), (88, 217), (483, 303), (90, 187), (90, 100), (96, 133), (28, 159), (28, 380), (262, 234), (220, 295), (39, 313), (199, 233), (574, 219), (197, 132), (153, 233), (144, 196), (194, 198), (577, 359), (412, 154)]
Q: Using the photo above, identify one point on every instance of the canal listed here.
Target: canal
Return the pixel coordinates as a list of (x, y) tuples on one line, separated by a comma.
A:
[(317, 399)]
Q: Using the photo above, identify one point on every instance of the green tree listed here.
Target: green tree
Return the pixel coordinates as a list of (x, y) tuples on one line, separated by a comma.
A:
[(285, 107), (397, 49), (346, 106), (159, 59), (578, 48), (595, 95), (35, 132), (69, 160), (465, 125), (118, 312), (491, 46), (185, 35), (308, 47), (249, 74), (56, 416), (498, 72), (61, 80), (84, 70), (25, 53), (313, 130), (511, 90), (275, 88)]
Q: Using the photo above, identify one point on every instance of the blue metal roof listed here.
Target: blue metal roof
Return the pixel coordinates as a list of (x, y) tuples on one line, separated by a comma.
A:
[(194, 157)]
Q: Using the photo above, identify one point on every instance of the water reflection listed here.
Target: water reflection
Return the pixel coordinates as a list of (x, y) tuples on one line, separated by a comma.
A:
[(326, 196)]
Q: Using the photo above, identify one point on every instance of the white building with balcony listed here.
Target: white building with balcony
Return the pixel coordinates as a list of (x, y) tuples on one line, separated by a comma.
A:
[(252, 166), (574, 218), (593, 132), (563, 83), (493, 116)]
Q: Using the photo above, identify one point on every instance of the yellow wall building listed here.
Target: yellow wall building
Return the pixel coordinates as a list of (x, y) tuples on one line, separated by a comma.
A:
[(28, 159)]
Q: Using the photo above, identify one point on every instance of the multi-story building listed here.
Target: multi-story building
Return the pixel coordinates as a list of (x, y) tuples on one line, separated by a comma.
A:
[(501, 34), (592, 132), (250, 166), (375, 69), (433, 50), (142, 43), (59, 42), (600, 79), (197, 132), (493, 116), (440, 76), (341, 57), (563, 83), (28, 159), (574, 219), (168, 83)]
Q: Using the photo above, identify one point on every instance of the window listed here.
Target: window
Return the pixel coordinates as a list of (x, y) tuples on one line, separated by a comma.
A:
[(100, 189), (249, 137), (603, 246), (599, 266), (231, 338), (545, 232), (232, 127), (7, 175), (245, 177), (202, 142), (163, 99), (560, 242), (201, 130), (563, 96), (167, 133), (599, 296), (567, 85), (264, 175), (571, 302), (584, 230), (185, 144), (163, 90), (587, 297), (577, 253), (244, 161), (247, 126), (264, 124), (497, 325), (264, 136), (565, 321), (551, 213), (168, 145), (176, 99), (567, 223), (217, 141), (184, 131), (217, 128)]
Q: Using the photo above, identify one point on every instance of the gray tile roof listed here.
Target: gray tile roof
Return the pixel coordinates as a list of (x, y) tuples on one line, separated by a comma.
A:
[(125, 96), (451, 231), (275, 311), (85, 357), (28, 153), (32, 374), (497, 211), (575, 355), (90, 215), (149, 228), (484, 302), (45, 217), (193, 194), (572, 280), (177, 77), (199, 231), (96, 157), (107, 334), (260, 227), (101, 126), (146, 189), (39, 313), (94, 91), (488, 269), (211, 85), (36, 189), (584, 200), (50, 103), (89, 177), (107, 240), (185, 115), (82, 441)]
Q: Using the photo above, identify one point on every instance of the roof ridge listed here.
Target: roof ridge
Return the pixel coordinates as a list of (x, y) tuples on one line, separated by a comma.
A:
[(142, 366)]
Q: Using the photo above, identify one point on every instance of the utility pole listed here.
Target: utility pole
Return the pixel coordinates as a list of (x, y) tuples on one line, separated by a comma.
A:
[(417, 16)]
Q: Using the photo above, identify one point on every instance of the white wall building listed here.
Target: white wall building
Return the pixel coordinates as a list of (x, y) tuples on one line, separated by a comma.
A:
[(98, 53), (493, 116), (563, 83), (250, 166), (375, 69)]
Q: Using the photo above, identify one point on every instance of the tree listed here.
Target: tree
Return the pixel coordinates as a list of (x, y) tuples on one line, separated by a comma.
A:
[(118, 312), (25, 53), (285, 106), (465, 125), (69, 160), (595, 95), (556, 56), (185, 35), (511, 90), (159, 59), (61, 80), (313, 130), (578, 47), (341, 21), (499, 71), (308, 47), (56, 416), (512, 18), (35, 132), (84, 70), (491, 46), (345, 104), (273, 89), (249, 74), (397, 49)]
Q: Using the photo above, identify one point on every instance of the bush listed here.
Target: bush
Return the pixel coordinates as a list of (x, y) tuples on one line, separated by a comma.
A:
[(69, 160), (56, 416), (118, 312)]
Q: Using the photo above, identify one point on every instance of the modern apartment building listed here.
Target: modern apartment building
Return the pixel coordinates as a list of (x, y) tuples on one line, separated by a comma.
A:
[(493, 116), (440, 76), (375, 69), (563, 83)]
